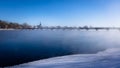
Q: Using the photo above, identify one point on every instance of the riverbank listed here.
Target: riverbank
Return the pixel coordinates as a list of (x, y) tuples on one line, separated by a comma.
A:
[(106, 59), (7, 29)]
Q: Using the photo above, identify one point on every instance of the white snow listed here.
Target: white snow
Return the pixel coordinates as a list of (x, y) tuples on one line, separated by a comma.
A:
[(109, 58)]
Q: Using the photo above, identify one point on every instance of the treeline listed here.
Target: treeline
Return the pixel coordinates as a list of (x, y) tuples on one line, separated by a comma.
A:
[(13, 25)]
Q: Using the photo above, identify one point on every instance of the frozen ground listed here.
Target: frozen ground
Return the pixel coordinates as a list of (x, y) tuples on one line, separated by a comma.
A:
[(109, 58)]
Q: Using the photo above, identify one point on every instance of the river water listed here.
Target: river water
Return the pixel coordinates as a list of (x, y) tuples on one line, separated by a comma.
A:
[(21, 46)]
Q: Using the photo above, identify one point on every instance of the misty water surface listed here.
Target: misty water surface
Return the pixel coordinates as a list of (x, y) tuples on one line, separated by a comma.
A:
[(21, 46)]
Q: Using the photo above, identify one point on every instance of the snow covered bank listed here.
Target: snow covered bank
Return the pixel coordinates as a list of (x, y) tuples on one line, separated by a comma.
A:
[(7, 29), (109, 58)]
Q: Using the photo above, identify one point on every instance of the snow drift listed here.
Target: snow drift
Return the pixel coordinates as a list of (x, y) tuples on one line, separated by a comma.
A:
[(109, 58)]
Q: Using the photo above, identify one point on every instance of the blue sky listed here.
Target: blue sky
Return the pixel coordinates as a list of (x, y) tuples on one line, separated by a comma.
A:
[(62, 12)]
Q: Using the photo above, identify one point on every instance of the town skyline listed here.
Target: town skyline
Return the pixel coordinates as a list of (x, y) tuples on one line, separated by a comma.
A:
[(11, 25)]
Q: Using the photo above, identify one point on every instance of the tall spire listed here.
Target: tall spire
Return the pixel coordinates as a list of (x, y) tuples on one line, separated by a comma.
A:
[(39, 26), (40, 23)]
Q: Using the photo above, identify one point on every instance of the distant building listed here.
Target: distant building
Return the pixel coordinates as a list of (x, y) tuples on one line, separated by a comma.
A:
[(39, 26), (6, 26)]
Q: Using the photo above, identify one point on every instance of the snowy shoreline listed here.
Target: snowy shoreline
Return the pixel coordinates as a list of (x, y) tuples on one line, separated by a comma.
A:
[(7, 29), (105, 59)]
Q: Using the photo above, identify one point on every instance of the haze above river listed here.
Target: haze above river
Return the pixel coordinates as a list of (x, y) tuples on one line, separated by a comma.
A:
[(21, 46)]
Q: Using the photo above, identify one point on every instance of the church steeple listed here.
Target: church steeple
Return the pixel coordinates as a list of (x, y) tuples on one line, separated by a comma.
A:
[(39, 26)]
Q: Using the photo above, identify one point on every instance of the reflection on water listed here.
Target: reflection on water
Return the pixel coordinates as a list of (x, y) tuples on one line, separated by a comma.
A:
[(20, 46)]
